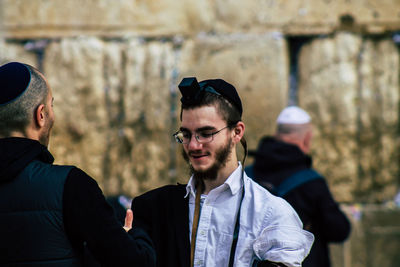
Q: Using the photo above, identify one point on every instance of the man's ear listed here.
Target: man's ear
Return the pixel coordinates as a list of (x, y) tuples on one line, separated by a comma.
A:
[(238, 131), (307, 142), (40, 116)]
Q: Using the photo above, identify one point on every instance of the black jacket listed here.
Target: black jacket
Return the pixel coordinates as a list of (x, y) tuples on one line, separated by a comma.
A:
[(87, 217), (164, 214), (35, 197), (320, 214)]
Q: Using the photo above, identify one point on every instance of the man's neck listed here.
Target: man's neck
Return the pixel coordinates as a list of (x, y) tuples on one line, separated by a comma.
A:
[(14, 134), (222, 176)]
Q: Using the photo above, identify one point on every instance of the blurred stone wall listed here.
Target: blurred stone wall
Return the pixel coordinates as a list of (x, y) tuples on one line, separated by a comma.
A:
[(350, 85), (114, 67), (374, 239)]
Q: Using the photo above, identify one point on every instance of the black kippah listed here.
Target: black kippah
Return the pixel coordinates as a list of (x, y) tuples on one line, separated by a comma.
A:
[(192, 92), (14, 80), (227, 90)]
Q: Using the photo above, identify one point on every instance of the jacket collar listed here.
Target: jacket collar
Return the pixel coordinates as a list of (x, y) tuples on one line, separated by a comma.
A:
[(181, 223), (16, 153)]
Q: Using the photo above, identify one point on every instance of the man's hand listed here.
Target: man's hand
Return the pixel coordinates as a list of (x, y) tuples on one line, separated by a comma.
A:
[(128, 220)]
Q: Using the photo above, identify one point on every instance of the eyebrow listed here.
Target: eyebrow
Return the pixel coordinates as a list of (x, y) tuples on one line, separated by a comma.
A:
[(204, 128)]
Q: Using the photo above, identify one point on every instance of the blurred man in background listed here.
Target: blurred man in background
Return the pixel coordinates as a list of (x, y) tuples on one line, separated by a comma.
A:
[(283, 166)]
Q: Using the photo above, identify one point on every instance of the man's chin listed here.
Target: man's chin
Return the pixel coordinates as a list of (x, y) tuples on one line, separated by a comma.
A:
[(198, 167), (205, 172)]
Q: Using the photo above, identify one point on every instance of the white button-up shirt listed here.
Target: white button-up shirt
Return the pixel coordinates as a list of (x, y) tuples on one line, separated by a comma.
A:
[(269, 227)]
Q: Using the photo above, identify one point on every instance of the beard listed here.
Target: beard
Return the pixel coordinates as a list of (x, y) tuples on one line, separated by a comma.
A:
[(221, 158)]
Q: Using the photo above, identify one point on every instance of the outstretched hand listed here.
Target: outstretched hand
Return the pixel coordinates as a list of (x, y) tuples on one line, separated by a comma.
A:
[(128, 220)]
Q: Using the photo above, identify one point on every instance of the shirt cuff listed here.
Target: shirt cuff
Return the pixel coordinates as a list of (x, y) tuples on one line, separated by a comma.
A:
[(283, 244)]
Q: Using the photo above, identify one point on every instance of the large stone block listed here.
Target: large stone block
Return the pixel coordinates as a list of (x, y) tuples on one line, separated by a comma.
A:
[(378, 120), (147, 109), (59, 18), (307, 16), (354, 106), (147, 77), (112, 110), (327, 89)]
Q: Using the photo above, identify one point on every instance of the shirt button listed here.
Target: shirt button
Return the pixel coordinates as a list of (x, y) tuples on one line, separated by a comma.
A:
[(203, 233)]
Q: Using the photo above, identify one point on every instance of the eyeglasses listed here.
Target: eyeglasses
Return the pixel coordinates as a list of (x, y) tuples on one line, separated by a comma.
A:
[(204, 136)]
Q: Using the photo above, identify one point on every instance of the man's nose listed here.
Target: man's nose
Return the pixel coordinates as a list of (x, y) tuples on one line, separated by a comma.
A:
[(193, 143)]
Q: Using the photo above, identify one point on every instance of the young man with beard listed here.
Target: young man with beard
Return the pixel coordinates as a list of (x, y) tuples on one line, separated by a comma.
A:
[(48, 213), (221, 217)]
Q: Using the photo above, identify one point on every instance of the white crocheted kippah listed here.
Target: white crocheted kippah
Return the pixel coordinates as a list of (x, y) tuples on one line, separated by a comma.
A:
[(293, 115)]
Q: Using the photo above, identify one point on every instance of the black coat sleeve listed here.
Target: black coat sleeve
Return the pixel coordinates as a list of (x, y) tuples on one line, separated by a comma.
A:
[(335, 225), (90, 220), (319, 211)]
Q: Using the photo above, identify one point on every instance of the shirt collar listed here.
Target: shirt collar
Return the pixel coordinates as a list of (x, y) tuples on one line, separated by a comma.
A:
[(190, 188), (234, 182)]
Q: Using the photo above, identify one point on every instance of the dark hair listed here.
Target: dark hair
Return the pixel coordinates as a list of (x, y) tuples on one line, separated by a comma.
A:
[(16, 115), (225, 108)]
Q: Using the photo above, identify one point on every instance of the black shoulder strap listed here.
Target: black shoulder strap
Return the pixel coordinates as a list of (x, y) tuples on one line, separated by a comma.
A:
[(295, 180), (258, 263)]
